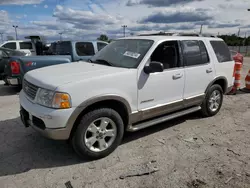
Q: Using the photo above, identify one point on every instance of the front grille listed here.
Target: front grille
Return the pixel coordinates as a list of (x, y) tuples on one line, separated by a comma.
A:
[(30, 89)]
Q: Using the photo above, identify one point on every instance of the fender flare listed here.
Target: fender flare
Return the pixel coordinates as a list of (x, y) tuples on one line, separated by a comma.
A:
[(91, 101), (216, 79)]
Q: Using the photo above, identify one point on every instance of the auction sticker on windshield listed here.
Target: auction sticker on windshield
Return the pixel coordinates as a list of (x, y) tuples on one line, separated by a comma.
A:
[(132, 54)]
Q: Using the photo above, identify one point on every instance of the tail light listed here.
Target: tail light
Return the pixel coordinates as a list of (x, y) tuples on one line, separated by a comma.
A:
[(15, 67)]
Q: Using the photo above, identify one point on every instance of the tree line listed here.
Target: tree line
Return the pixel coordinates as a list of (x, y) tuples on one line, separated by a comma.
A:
[(234, 40)]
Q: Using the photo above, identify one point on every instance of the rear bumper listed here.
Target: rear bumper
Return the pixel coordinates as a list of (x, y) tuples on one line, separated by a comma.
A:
[(13, 81)]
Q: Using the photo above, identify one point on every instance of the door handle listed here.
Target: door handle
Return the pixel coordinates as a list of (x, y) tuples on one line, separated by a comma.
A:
[(177, 76), (209, 70)]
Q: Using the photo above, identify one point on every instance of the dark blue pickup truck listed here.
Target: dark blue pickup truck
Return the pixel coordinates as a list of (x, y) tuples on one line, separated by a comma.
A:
[(60, 53)]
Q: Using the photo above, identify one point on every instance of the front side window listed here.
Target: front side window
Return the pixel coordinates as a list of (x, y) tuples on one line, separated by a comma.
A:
[(126, 53), (26, 46), (10, 45), (222, 51), (167, 53), (85, 49)]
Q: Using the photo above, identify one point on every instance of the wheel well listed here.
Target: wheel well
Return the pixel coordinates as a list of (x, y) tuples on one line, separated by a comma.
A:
[(113, 104), (222, 83)]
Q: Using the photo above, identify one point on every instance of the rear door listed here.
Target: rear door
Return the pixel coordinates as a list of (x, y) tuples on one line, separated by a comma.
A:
[(199, 71), (27, 47)]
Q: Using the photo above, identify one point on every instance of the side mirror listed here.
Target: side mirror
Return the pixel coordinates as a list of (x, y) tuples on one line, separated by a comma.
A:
[(154, 66)]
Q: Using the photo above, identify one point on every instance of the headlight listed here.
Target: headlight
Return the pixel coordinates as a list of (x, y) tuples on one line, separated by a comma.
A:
[(53, 99)]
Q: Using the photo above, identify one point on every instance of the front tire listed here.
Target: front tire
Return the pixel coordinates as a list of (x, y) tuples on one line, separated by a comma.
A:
[(98, 134), (213, 101)]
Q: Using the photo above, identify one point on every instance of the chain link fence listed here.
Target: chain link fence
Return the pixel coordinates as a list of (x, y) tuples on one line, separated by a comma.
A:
[(244, 50)]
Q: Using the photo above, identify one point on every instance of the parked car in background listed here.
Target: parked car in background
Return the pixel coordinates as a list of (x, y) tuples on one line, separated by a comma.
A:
[(5, 55), (238, 57), (21, 45), (64, 52), (131, 84)]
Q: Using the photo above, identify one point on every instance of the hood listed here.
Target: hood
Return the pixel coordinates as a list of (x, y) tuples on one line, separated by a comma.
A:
[(53, 76)]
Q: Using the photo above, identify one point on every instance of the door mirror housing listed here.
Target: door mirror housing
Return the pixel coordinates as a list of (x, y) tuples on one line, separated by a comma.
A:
[(153, 67)]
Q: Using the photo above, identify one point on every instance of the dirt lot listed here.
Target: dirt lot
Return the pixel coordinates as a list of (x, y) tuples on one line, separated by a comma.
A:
[(189, 152)]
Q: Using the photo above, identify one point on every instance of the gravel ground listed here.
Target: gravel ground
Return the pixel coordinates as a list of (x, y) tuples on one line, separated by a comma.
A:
[(189, 152)]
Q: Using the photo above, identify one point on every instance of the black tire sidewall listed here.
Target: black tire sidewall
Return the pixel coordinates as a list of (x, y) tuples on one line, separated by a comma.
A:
[(78, 138), (208, 95)]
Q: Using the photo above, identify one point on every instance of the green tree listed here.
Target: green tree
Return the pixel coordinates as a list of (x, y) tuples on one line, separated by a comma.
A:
[(103, 38)]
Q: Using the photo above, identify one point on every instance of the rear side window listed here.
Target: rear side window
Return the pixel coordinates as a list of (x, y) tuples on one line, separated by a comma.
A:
[(100, 45), (10, 45), (26, 46), (204, 54), (85, 49), (192, 53), (222, 51), (195, 52)]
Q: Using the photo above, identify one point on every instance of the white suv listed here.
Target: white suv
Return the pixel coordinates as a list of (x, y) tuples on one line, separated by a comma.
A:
[(27, 47), (131, 84)]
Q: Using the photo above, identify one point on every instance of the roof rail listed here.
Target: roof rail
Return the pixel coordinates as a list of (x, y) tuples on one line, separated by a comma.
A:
[(178, 34)]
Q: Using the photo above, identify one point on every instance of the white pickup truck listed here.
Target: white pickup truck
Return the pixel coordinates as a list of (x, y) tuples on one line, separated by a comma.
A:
[(131, 84)]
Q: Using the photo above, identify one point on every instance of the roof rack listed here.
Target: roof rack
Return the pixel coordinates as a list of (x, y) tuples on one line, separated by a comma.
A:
[(178, 34)]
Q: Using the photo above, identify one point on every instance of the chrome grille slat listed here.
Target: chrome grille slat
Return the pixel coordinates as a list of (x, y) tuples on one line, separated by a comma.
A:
[(30, 89)]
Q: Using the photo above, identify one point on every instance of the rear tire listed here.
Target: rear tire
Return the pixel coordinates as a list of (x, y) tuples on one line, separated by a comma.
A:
[(98, 134), (213, 101)]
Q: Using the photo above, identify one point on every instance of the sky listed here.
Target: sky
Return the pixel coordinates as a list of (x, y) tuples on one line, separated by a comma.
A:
[(88, 19)]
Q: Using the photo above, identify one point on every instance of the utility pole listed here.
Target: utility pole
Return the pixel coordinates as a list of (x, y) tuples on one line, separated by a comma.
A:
[(240, 42), (15, 26), (201, 29), (60, 36), (124, 30), (1, 36), (239, 33)]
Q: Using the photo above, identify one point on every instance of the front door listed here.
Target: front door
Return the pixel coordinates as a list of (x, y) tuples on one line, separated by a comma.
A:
[(162, 92)]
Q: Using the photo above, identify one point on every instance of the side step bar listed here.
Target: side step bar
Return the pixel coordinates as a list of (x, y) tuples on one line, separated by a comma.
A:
[(137, 127)]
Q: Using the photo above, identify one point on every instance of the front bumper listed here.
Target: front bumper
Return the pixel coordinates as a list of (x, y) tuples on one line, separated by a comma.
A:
[(51, 123)]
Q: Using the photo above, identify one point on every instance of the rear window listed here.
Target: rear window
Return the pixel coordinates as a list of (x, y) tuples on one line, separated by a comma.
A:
[(26, 46), (100, 45), (10, 45), (63, 48), (222, 51), (85, 49)]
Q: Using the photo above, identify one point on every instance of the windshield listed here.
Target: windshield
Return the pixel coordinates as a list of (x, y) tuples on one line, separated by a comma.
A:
[(126, 53)]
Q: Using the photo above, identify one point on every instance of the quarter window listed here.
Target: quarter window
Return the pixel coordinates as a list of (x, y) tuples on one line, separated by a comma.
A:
[(222, 51), (10, 45), (85, 49)]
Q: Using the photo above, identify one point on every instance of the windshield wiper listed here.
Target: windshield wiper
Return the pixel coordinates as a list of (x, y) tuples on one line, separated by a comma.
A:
[(103, 61)]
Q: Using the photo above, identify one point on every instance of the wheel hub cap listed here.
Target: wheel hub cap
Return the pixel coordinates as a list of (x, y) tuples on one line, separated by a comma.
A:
[(215, 101), (100, 134)]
